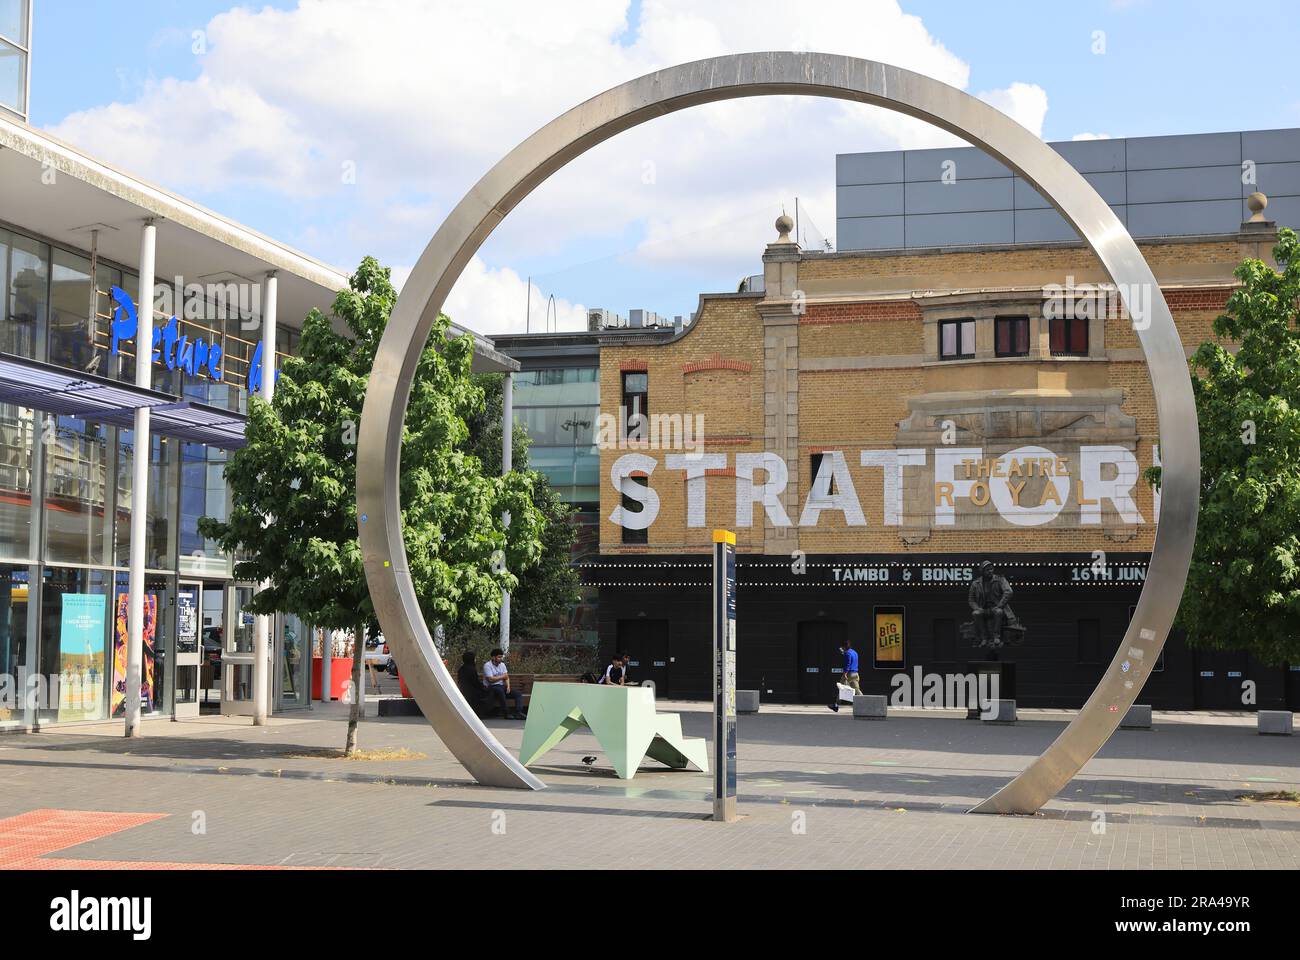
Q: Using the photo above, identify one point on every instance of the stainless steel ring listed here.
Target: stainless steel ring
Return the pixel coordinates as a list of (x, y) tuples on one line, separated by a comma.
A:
[(728, 78)]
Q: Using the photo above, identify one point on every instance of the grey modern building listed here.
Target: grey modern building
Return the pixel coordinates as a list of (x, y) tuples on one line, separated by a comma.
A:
[(15, 56), (1191, 185)]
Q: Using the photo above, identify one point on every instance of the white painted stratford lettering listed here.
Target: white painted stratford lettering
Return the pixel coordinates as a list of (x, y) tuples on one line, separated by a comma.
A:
[(1027, 487)]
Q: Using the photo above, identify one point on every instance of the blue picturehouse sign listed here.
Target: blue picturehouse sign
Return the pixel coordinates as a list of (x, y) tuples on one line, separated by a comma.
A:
[(174, 349)]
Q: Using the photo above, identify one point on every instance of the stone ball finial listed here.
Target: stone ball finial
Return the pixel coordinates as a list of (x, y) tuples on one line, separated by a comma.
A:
[(1256, 203), (783, 227)]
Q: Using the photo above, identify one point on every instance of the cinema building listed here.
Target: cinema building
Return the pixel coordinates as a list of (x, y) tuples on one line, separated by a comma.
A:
[(75, 236), (957, 383)]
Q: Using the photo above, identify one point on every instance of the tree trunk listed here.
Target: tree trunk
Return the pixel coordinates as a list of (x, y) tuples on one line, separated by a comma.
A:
[(358, 704)]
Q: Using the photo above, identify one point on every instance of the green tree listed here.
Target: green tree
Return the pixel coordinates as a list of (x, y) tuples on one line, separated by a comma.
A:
[(1243, 590), (293, 522), (546, 588)]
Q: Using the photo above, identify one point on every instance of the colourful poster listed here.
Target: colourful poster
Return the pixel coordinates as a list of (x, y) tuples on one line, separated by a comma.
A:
[(889, 636), (81, 656), (147, 685)]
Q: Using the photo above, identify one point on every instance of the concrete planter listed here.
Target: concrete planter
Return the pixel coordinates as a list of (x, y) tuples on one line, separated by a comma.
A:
[(1277, 723), (871, 707), (1137, 718), (1000, 711), (747, 701)]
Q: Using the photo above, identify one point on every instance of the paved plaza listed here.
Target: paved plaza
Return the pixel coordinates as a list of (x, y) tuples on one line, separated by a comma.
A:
[(817, 790)]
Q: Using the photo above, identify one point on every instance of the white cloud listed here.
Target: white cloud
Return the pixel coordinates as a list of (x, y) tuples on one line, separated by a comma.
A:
[(424, 98), (497, 300), (1091, 136), (1025, 103)]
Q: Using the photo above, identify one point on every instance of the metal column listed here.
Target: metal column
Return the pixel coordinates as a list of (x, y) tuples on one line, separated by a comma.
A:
[(507, 464), (724, 675), (262, 625), (140, 484)]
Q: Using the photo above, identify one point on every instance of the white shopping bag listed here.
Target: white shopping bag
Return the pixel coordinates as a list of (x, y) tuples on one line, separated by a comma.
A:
[(846, 693)]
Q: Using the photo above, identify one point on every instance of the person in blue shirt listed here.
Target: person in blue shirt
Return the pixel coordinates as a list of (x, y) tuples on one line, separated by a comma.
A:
[(850, 676)]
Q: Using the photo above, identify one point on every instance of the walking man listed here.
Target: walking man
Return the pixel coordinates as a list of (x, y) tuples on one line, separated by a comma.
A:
[(850, 675)]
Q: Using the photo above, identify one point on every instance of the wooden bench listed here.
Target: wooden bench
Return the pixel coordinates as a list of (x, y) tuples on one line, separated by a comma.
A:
[(523, 682)]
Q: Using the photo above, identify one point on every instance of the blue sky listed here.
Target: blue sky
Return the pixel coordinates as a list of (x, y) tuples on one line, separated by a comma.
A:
[(421, 98)]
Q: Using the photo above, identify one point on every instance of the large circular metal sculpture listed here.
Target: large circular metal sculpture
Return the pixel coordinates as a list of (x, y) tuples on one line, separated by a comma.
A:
[(728, 78)]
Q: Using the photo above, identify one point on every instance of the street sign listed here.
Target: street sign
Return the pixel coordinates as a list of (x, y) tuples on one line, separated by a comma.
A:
[(724, 675)]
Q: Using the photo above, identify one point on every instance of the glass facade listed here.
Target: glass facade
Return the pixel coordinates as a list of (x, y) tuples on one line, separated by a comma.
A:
[(24, 282), (15, 45), (203, 493), (559, 408), (16, 635), (18, 426), (294, 666), (66, 501)]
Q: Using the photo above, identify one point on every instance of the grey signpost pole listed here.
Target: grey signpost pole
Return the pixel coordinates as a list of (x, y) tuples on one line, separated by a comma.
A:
[(724, 675)]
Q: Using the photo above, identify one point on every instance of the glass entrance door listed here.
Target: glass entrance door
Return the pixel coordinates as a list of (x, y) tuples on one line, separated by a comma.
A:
[(189, 650), (157, 674), (237, 655), (212, 640), (293, 663)]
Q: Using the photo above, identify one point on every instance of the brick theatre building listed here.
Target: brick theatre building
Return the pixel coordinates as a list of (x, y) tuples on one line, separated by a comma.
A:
[(873, 423)]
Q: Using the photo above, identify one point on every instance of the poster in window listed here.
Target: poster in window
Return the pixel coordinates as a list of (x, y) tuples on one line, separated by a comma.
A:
[(81, 656), (147, 679), (888, 647), (187, 621)]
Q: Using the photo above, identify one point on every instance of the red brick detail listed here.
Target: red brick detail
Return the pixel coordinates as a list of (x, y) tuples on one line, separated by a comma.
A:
[(726, 441), (826, 313), (1204, 298), (721, 472), (634, 366), (716, 362)]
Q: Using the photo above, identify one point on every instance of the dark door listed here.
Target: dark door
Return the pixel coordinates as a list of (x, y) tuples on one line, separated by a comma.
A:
[(1219, 678), (820, 660), (646, 644)]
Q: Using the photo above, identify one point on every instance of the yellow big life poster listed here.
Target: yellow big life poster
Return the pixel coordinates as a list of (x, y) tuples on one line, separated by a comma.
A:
[(889, 636)]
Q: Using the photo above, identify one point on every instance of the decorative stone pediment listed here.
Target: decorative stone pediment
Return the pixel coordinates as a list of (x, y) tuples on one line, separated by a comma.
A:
[(1019, 415), (1065, 424)]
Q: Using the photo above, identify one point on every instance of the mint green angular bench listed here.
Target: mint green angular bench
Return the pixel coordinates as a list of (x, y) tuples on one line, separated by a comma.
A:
[(623, 720)]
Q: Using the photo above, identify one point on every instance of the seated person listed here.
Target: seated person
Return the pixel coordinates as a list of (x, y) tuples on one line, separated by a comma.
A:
[(616, 671), (497, 679), (469, 681)]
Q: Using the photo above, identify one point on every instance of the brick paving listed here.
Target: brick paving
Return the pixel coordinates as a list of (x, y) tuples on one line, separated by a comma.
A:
[(816, 789)]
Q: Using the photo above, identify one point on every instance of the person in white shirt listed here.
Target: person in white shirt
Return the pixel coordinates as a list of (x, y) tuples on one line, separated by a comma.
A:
[(616, 672), (496, 677)]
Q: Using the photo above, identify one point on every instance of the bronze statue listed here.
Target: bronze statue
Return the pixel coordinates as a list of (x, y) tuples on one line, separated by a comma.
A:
[(994, 623)]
